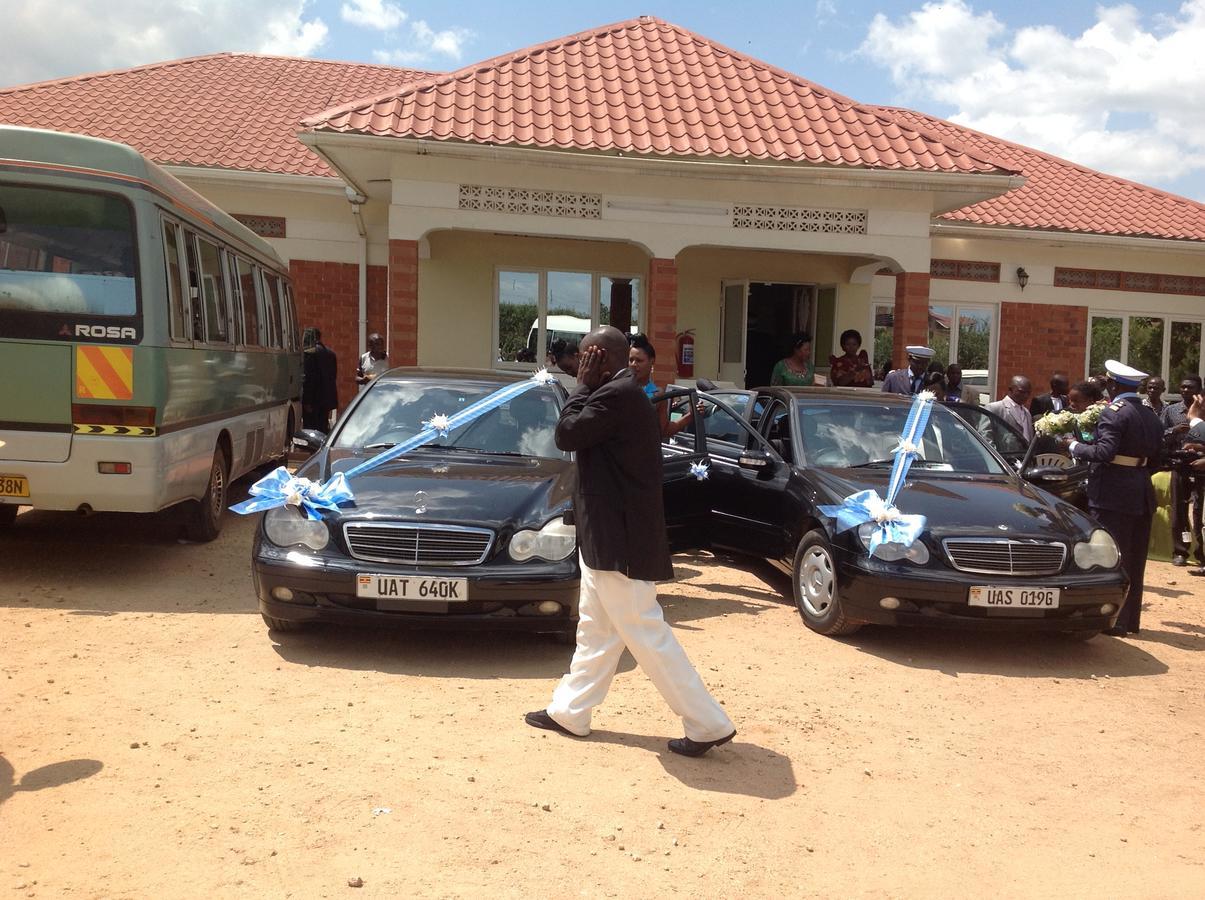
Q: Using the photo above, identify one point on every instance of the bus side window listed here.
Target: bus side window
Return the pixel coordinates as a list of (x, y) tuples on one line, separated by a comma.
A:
[(250, 302), (194, 287), (234, 292), (271, 310), (213, 290), (290, 309), (177, 305)]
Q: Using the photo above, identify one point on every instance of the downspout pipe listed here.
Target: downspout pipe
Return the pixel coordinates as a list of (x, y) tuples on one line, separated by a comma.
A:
[(357, 201)]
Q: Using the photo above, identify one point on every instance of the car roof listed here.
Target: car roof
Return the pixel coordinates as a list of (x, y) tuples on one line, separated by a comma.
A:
[(844, 394), (451, 375)]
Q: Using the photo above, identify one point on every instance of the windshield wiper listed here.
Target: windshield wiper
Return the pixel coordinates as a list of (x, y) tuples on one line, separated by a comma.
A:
[(873, 462), (460, 449), (382, 446)]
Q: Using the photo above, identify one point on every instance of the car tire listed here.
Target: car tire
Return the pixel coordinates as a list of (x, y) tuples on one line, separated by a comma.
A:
[(8, 514), (282, 624), (203, 518), (814, 582)]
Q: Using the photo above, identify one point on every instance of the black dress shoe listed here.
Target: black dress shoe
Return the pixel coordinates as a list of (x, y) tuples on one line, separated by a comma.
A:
[(541, 719), (1179, 560), (1116, 632), (686, 747)]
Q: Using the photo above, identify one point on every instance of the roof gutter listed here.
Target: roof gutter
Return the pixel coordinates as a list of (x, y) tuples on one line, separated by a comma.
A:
[(319, 184), (1103, 241), (987, 184)]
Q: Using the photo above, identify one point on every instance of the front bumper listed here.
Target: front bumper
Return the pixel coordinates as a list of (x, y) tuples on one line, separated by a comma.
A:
[(933, 596), (500, 596)]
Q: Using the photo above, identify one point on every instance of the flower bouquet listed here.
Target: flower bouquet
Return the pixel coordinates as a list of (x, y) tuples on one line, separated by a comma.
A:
[(1055, 423)]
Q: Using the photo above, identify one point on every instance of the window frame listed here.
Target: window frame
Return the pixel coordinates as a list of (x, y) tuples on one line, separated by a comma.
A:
[(1167, 318), (541, 273)]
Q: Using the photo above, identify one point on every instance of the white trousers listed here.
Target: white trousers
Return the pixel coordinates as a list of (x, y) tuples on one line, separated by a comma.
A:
[(616, 611)]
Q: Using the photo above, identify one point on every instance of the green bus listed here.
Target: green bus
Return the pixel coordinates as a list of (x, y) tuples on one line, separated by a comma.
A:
[(148, 341)]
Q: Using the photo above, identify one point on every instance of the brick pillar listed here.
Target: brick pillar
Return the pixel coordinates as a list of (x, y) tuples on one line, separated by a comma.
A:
[(403, 303), (1039, 339), (911, 314), (663, 314)]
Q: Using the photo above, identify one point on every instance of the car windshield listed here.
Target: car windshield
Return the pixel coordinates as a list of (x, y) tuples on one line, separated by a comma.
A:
[(392, 411), (847, 435)]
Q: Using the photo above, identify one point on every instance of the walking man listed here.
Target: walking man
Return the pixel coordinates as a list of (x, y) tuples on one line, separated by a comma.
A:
[(614, 431), (1120, 494), (1185, 488)]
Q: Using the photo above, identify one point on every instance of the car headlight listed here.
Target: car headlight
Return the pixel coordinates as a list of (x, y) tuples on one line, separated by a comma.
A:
[(917, 553), (286, 527), (553, 542), (1099, 550)]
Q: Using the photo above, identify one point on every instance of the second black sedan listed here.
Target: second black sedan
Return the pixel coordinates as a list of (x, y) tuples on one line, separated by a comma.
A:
[(996, 552)]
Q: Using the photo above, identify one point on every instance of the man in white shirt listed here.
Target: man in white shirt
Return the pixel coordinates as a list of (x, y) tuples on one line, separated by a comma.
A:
[(1014, 408), (373, 363)]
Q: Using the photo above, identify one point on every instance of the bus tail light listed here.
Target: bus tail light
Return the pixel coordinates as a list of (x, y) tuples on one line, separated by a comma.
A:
[(114, 468), (97, 414)]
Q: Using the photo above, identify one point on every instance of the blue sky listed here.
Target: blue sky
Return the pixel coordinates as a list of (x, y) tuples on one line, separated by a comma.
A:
[(1113, 86)]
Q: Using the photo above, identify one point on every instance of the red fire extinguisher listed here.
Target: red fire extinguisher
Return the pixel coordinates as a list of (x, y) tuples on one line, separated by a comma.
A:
[(686, 353)]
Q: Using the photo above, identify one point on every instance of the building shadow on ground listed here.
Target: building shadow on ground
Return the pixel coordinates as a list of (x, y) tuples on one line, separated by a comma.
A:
[(49, 776), (1012, 654), (736, 768), (430, 653)]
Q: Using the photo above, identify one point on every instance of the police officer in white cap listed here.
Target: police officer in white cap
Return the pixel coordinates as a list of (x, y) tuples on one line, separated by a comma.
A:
[(1124, 452), (909, 380)]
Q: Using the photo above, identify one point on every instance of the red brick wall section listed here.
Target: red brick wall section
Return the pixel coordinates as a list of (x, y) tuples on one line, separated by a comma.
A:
[(378, 297), (1039, 339), (328, 296), (403, 303), (911, 314), (663, 315)]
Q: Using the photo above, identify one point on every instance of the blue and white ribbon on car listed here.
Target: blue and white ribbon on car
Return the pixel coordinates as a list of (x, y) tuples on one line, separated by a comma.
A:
[(891, 525), (280, 488)]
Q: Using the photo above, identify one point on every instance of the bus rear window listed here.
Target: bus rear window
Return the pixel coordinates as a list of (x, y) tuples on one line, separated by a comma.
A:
[(66, 251)]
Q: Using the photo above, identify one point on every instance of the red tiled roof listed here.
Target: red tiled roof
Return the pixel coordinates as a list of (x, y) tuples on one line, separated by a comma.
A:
[(649, 87), (226, 110), (1061, 195)]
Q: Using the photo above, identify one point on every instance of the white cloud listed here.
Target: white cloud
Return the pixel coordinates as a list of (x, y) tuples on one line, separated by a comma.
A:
[(424, 44), (88, 37), (826, 11), (1125, 96), (373, 14)]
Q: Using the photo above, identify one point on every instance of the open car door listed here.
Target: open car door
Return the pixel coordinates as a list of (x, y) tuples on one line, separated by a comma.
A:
[(686, 490)]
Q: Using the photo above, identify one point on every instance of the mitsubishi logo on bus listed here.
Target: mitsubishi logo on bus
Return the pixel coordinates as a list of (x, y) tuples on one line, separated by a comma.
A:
[(101, 332)]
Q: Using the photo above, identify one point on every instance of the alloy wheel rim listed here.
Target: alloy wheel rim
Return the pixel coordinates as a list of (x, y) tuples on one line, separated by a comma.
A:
[(217, 490), (816, 581)]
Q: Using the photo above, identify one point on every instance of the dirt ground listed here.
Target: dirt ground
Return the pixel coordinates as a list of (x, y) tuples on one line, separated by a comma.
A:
[(156, 741)]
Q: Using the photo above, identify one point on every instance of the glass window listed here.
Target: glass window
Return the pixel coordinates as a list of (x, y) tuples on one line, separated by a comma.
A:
[(67, 251), (196, 304), (236, 298), (175, 281), (884, 337), (1104, 343), (249, 300), (721, 426), (518, 316), (974, 338), (733, 350), (1185, 351), (1145, 351), (569, 307), (270, 313), (291, 338), (940, 322), (619, 303), (213, 293)]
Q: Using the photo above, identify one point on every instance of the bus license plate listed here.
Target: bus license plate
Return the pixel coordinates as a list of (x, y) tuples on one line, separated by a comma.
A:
[(409, 587), (14, 486), (1015, 597)]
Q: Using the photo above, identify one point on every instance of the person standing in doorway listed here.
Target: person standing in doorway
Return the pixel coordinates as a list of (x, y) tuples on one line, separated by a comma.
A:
[(1120, 495), (852, 368), (796, 368), (612, 428), (319, 382), (374, 362)]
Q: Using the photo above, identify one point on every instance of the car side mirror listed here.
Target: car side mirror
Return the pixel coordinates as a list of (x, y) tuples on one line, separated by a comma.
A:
[(757, 460), (310, 439), (1047, 475)]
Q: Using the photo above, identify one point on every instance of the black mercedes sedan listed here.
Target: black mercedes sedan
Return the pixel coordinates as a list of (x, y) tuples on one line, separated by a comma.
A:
[(474, 529), (996, 552)]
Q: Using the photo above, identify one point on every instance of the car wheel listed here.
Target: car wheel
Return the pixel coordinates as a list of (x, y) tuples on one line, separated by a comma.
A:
[(815, 586), (8, 514), (203, 520), (282, 624)]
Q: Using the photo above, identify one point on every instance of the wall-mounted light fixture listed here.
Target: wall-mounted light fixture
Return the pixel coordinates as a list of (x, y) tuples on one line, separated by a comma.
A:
[(1022, 277)]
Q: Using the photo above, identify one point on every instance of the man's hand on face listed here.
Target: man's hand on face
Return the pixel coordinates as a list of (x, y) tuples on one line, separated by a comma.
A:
[(590, 367)]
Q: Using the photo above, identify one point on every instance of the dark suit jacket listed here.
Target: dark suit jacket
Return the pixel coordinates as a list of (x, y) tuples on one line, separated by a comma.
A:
[(618, 506), (1043, 404), (1128, 428), (319, 383)]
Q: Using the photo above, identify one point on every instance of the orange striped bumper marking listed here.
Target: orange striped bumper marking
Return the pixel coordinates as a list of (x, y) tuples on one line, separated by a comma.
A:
[(104, 373)]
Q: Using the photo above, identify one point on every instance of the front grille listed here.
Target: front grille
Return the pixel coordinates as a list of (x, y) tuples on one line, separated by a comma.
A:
[(1000, 556), (418, 545)]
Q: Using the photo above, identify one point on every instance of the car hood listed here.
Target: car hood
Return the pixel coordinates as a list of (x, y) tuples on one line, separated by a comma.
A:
[(477, 489), (963, 505)]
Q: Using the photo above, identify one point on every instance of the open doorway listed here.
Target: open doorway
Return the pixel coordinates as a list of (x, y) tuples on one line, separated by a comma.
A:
[(775, 312)]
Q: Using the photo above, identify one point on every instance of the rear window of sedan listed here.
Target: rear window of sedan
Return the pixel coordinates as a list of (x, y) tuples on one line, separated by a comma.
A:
[(393, 411), (852, 435)]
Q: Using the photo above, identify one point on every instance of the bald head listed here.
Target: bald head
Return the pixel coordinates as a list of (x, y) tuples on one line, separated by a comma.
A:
[(612, 343), (1020, 389)]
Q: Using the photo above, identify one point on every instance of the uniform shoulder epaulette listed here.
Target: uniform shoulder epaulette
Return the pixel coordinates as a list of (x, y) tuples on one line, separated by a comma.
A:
[(1117, 404)]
